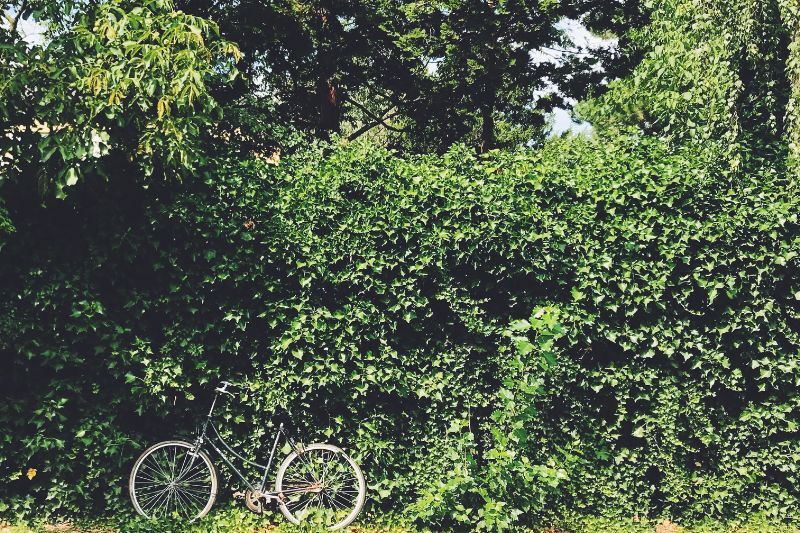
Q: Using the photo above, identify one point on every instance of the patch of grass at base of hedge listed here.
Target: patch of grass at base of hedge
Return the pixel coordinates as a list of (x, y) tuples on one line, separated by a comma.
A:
[(751, 524), (224, 520), (241, 521)]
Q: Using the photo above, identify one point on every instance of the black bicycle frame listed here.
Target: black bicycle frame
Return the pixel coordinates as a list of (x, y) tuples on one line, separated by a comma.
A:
[(216, 438)]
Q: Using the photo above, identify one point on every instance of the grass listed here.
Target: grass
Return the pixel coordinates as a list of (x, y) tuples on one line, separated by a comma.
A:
[(235, 520), (754, 524), (224, 520)]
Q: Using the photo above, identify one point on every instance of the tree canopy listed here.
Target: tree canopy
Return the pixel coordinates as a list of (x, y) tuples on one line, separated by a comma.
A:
[(427, 74), (127, 83)]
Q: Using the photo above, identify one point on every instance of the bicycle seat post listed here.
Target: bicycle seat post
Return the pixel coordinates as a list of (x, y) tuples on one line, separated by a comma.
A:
[(213, 403)]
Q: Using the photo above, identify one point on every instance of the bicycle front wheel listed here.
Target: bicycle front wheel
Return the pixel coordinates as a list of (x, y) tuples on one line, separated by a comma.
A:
[(321, 485), (169, 480)]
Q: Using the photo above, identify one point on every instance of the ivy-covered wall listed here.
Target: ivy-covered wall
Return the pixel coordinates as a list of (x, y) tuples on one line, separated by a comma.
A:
[(372, 294)]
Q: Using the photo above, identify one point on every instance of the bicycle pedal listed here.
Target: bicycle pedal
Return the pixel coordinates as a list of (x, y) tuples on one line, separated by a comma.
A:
[(239, 495)]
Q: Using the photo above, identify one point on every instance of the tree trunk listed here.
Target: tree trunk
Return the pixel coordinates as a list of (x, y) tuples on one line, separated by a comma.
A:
[(487, 128), (326, 90), (489, 87), (328, 107)]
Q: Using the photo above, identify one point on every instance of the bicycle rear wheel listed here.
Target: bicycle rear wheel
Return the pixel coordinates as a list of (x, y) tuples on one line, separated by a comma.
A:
[(168, 480), (322, 485)]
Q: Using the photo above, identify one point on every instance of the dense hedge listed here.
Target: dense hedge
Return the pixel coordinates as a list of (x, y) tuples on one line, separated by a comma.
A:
[(374, 294)]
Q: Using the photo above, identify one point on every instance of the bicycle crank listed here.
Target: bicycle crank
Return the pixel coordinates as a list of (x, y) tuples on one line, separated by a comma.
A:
[(254, 501)]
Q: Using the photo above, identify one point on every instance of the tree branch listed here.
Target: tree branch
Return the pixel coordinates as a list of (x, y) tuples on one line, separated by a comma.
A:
[(379, 120), (365, 128)]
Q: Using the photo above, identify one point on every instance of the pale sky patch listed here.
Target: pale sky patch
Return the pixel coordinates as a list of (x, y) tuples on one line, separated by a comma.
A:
[(584, 42), (31, 31)]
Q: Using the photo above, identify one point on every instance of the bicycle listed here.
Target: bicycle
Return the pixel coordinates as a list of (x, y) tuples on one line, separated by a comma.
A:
[(176, 478)]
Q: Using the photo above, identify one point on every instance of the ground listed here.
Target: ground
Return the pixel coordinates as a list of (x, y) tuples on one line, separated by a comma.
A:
[(235, 525)]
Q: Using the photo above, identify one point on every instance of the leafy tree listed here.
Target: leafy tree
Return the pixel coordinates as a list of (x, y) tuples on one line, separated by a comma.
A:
[(790, 13), (721, 72), (428, 73), (489, 84), (483, 67), (316, 59), (128, 82)]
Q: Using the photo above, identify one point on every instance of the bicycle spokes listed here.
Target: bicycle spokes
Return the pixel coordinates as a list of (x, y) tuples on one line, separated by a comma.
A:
[(172, 480), (320, 485)]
